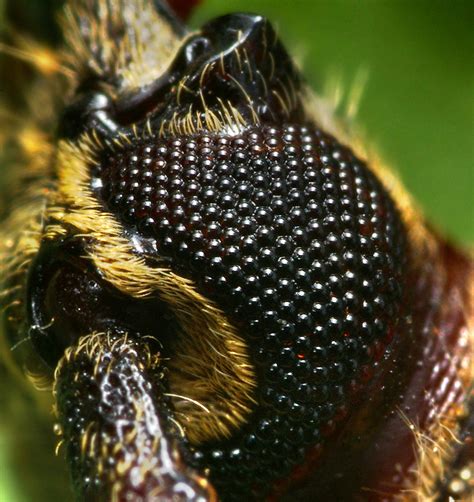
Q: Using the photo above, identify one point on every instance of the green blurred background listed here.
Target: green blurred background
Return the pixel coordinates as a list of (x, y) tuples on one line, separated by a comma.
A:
[(417, 108)]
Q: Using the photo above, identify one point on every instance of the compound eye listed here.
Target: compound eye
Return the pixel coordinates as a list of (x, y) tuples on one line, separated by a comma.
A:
[(67, 299), (299, 244)]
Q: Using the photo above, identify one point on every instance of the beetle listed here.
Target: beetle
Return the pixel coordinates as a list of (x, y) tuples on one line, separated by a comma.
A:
[(211, 275)]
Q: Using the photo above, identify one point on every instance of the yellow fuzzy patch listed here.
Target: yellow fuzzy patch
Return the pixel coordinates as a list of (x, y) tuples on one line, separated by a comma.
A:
[(211, 377)]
